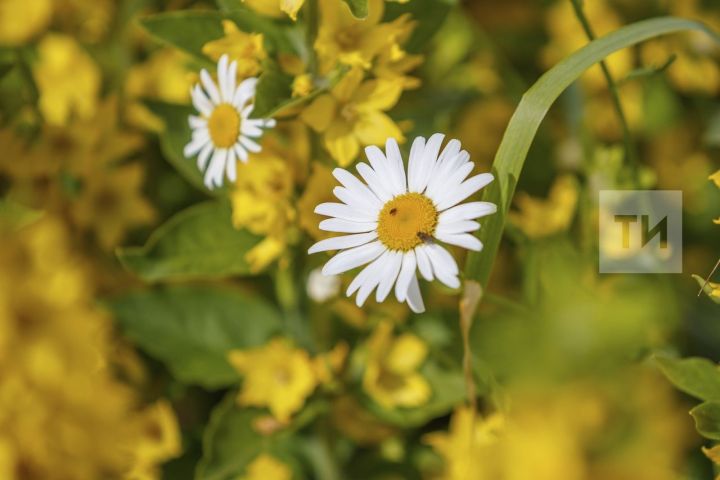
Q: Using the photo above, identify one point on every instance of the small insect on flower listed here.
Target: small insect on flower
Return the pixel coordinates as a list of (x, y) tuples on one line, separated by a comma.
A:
[(396, 221), (224, 133)]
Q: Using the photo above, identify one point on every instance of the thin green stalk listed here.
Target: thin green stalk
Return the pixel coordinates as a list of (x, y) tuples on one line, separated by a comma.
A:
[(630, 153)]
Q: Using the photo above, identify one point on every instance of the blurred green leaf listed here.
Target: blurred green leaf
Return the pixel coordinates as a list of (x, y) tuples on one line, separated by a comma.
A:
[(448, 389), (359, 8), (707, 419), (698, 377), (192, 328), (14, 215), (187, 30), (429, 15), (173, 139), (706, 288), (230, 442), (532, 109), (274, 33), (274, 90), (199, 242)]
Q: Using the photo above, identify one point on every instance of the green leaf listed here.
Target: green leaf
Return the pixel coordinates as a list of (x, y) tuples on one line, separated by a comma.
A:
[(192, 328), (698, 377), (359, 8), (14, 215), (707, 419), (230, 442), (199, 242), (274, 34), (173, 139), (706, 288), (187, 30), (429, 15), (532, 109), (274, 89), (448, 389)]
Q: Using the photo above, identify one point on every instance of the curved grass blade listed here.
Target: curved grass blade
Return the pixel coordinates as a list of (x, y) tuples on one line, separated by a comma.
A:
[(532, 109)]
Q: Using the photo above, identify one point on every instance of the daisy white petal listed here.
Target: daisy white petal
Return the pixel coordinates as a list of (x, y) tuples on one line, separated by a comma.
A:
[(346, 226), (345, 241), (428, 159), (210, 87), (222, 75), (444, 266), (197, 122), (414, 297), (462, 226), (467, 211), (355, 186), (465, 240), (407, 271), (383, 167), (357, 199), (392, 152), (393, 262), (231, 79), (373, 182), (231, 168), (353, 258), (340, 210), (361, 278), (201, 101), (416, 151), (467, 188), (241, 153), (371, 281), (195, 146), (204, 156), (250, 145), (423, 262)]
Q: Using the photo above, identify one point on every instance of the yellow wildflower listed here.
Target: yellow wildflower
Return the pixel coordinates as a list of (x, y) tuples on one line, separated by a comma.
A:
[(352, 115), (715, 177), (391, 377), (328, 364), (20, 20), (317, 190), (110, 202), (68, 79), (302, 85), (159, 440), (277, 376), (261, 203), (394, 64), (539, 218), (245, 48), (89, 20), (271, 8), (266, 467), (567, 36), (351, 41)]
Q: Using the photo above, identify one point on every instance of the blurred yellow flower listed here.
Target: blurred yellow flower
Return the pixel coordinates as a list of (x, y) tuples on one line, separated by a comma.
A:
[(352, 115), (357, 423), (391, 376), (110, 202), (262, 203), (266, 467), (567, 36), (67, 78), (20, 20), (351, 41), (302, 85), (159, 441), (277, 376), (328, 364), (88, 20), (715, 177), (318, 189), (275, 8), (539, 218), (244, 48), (62, 413)]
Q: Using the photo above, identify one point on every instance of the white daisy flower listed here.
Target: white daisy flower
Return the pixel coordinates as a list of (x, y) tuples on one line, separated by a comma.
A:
[(223, 132), (396, 221)]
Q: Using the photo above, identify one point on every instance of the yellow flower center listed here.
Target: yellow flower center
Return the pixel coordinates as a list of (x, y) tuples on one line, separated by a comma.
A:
[(224, 125), (406, 221)]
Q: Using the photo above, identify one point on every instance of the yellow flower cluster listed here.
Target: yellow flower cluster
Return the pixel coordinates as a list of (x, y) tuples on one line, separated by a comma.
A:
[(62, 413)]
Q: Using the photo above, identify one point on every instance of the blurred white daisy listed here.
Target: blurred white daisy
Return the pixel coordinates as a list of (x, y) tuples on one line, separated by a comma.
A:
[(396, 221), (223, 133)]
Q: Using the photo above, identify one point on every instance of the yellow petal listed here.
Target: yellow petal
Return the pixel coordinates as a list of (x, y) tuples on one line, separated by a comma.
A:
[(374, 128), (291, 7), (342, 144), (715, 177), (347, 86), (407, 354), (378, 94), (320, 113)]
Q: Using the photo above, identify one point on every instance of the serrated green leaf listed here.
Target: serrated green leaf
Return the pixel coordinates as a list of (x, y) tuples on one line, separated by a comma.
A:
[(706, 288), (532, 109), (707, 419), (192, 328), (359, 8), (199, 242), (173, 139), (698, 377), (187, 30)]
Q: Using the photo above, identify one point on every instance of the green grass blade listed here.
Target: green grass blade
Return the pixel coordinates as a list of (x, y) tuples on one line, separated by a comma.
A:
[(532, 109)]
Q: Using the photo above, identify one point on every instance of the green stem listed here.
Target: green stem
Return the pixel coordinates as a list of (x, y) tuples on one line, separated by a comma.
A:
[(630, 154)]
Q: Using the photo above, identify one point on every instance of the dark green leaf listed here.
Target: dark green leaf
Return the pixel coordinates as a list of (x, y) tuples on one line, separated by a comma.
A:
[(192, 328), (187, 30), (532, 109), (706, 288), (698, 377), (707, 419), (199, 242), (173, 139), (429, 15), (359, 8)]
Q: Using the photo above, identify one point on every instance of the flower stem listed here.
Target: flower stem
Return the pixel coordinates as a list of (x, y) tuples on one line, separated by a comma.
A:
[(630, 154)]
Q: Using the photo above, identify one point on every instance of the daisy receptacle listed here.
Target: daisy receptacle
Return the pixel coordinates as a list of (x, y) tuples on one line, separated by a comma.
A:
[(395, 223), (224, 131)]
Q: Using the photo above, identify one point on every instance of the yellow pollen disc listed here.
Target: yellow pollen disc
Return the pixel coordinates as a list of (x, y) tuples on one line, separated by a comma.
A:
[(224, 125), (406, 221)]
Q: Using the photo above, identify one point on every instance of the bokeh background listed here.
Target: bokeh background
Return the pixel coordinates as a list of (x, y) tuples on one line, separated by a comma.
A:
[(151, 328)]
